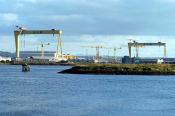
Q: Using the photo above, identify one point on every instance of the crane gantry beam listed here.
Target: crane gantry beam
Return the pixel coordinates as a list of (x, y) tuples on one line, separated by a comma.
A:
[(22, 31)]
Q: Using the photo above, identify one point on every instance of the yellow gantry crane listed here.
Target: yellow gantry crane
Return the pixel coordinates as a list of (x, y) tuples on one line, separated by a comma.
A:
[(24, 31), (137, 45)]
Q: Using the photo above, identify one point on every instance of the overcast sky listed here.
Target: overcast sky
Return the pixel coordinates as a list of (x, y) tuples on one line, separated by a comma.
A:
[(91, 22)]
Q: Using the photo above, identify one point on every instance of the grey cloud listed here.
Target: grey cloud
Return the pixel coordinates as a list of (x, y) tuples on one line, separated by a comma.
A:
[(96, 17)]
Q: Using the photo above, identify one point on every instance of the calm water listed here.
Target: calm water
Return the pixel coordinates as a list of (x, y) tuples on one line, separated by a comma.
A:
[(43, 92)]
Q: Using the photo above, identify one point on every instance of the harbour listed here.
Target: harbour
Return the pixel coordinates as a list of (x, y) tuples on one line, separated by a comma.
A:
[(44, 92), (87, 58)]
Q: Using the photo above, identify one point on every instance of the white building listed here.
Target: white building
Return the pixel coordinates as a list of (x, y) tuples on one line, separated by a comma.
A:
[(5, 58), (160, 61)]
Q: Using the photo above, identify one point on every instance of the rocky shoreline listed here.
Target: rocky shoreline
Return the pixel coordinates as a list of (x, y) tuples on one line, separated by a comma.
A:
[(123, 69)]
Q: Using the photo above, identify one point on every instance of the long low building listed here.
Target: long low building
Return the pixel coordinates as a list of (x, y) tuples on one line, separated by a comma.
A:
[(25, 54), (128, 60), (48, 55), (5, 58)]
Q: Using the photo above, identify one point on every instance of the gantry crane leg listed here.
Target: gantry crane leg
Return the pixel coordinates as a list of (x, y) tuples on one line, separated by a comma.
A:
[(17, 42)]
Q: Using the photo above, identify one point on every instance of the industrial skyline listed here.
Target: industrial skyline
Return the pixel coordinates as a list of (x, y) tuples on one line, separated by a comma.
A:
[(98, 22)]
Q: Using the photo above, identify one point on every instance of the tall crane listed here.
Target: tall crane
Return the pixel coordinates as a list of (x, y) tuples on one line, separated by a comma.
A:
[(24, 31), (97, 58), (42, 46), (42, 49), (114, 50)]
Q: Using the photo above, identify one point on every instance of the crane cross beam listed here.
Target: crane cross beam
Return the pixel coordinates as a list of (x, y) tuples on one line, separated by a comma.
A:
[(37, 32), (147, 44)]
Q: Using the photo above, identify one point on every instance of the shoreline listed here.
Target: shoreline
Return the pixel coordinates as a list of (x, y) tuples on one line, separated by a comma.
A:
[(29, 63), (122, 69)]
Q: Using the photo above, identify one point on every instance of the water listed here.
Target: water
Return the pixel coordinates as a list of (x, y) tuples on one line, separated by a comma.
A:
[(43, 92)]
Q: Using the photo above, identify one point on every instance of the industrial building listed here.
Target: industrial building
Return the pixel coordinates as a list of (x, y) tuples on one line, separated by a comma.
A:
[(48, 55), (134, 60), (5, 59)]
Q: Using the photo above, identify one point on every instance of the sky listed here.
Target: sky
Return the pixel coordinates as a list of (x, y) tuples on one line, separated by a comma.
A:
[(89, 23)]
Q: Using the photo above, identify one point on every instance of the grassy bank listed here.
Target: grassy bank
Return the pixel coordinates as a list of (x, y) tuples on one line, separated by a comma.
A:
[(123, 69)]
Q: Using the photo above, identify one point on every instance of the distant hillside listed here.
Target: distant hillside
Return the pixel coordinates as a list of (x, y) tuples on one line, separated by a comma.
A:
[(6, 54)]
